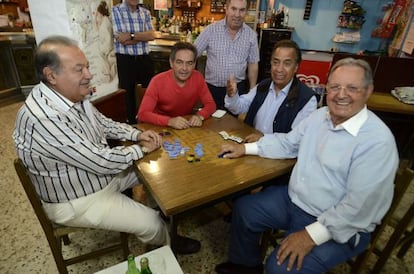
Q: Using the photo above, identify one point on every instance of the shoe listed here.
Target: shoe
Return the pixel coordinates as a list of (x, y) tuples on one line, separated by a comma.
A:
[(231, 268), (184, 245), (227, 217)]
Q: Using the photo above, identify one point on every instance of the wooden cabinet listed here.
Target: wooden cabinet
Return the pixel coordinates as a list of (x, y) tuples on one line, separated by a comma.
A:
[(267, 39)]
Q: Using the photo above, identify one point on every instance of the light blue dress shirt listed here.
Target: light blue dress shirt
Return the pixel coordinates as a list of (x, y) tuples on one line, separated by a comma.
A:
[(344, 174)]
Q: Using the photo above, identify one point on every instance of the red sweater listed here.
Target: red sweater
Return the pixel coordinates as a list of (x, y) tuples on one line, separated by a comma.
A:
[(164, 99)]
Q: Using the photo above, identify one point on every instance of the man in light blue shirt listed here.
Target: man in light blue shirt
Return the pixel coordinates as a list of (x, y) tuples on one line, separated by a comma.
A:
[(340, 188)]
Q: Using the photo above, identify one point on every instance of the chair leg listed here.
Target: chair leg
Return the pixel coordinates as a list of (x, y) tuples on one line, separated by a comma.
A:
[(124, 242), (56, 247), (66, 240), (406, 243), (360, 261), (264, 242), (394, 239)]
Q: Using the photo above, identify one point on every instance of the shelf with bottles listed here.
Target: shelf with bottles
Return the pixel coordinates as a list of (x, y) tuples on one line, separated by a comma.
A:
[(252, 15), (278, 19), (188, 4), (217, 6)]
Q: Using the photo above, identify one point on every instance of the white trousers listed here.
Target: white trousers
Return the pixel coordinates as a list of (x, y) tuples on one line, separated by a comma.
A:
[(111, 210)]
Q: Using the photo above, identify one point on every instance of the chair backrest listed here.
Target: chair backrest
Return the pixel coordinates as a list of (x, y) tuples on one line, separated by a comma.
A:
[(140, 92), (113, 105), (33, 197), (402, 181)]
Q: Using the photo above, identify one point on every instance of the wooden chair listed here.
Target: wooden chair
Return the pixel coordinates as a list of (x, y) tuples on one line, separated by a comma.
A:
[(402, 234), (113, 105), (55, 234), (140, 92)]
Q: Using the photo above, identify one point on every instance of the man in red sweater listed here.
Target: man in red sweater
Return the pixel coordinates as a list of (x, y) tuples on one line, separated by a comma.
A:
[(174, 93)]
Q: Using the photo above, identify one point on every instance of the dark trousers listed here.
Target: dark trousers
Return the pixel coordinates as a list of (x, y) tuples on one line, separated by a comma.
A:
[(219, 93), (133, 70), (272, 208)]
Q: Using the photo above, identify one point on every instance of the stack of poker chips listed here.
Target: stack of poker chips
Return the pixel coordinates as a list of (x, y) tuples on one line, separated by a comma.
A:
[(175, 149)]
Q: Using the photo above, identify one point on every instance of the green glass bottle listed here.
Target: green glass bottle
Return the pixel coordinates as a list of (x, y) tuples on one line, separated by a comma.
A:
[(132, 267), (145, 266)]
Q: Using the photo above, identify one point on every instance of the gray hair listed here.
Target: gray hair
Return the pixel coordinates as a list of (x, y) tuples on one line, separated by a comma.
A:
[(46, 55), (368, 79)]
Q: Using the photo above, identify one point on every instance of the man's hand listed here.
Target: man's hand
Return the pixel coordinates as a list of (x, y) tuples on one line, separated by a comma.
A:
[(294, 248), (123, 37), (148, 147), (232, 150), (178, 123), (231, 86), (196, 121), (150, 136), (254, 137)]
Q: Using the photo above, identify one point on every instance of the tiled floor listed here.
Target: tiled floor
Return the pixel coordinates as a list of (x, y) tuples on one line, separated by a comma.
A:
[(24, 249)]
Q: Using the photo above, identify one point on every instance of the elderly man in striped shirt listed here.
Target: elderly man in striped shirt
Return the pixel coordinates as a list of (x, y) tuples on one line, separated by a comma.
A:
[(62, 139)]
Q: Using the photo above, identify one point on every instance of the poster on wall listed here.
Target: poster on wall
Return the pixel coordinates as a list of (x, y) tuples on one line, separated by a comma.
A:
[(90, 24)]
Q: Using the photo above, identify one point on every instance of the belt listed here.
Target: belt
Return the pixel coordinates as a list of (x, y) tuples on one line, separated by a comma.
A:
[(135, 57), (241, 82)]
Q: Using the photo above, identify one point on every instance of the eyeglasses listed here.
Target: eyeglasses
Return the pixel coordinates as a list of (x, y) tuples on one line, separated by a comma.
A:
[(348, 89)]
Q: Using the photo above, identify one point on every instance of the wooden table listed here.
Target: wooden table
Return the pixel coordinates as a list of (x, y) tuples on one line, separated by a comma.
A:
[(399, 117), (179, 186), (381, 101)]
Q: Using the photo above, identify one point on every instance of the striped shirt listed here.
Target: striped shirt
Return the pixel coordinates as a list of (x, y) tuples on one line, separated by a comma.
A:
[(126, 21), (64, 145), (226, 56)]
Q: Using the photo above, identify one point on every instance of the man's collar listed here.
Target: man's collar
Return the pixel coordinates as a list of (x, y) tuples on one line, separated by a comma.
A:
[(126, 6), (56, 97), (224, 24), (284, 90), (353, 124)]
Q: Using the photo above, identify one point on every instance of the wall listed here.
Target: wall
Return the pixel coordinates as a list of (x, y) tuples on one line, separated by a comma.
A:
[(316, 33)]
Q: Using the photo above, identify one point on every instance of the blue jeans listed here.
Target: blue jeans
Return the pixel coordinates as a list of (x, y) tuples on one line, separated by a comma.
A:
[(272, 208)]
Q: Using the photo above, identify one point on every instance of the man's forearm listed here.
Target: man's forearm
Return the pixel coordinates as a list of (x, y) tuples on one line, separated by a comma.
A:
[(252, 74)]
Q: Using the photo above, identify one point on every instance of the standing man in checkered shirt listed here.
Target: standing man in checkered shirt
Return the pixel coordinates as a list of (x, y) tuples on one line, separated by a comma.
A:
[(231, 48), (132, 31)]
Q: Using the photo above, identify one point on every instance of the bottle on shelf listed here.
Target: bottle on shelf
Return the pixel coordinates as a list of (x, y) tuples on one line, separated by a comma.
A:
[(189, 38), (132, 267), (286, 23), (280, 18)]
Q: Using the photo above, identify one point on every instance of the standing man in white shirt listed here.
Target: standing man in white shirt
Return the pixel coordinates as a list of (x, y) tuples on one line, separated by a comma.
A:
[(231, 48)]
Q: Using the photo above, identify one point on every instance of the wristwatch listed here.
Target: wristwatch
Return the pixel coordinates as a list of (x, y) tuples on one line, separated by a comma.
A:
[(132, 35)]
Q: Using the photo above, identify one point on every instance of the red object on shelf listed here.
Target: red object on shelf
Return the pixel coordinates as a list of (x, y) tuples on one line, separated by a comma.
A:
[(390, 20), (313, 72)]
